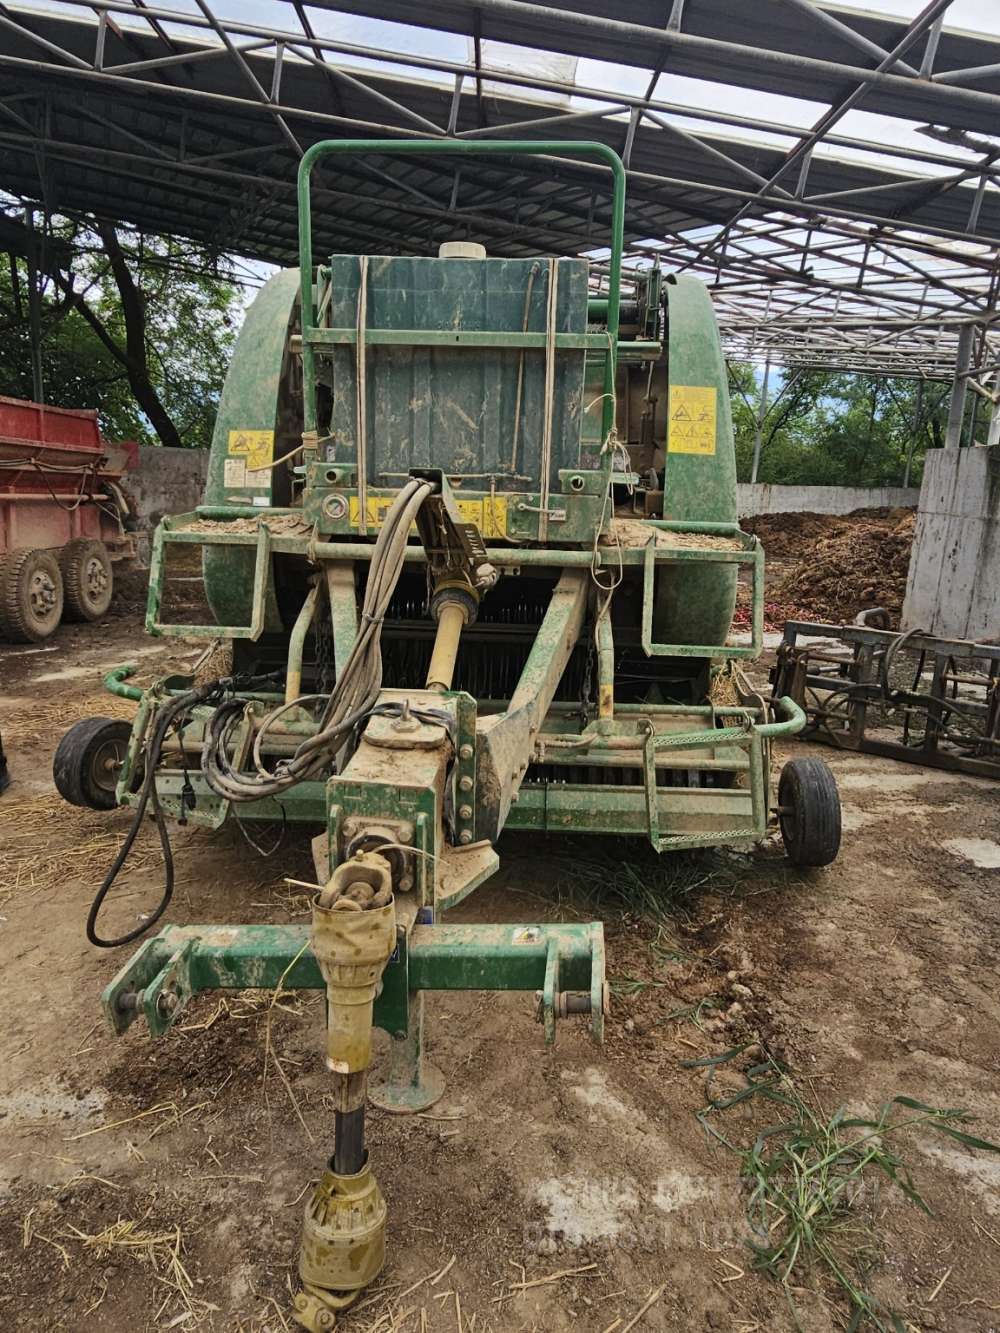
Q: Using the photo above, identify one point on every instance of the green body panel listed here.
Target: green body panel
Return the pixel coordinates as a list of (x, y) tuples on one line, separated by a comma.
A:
[(454, 404), (696, 607), (456, 148), (252, 400)]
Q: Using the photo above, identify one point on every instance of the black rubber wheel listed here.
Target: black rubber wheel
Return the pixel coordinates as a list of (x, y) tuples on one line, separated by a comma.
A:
[(31, 595), (88, 761), (3, 618), (87, 579), (809, 812)]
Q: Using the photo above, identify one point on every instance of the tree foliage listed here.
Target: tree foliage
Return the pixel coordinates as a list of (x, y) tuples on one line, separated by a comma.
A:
[(831, 429), (142, 328)]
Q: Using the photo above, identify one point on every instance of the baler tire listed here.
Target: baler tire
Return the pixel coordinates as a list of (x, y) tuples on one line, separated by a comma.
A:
[(809, 812), (88, 582), (81, 769), (3, 620), (23, 620)]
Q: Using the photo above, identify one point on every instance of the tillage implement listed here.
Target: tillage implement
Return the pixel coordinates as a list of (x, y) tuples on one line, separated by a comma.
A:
[(469, 541)]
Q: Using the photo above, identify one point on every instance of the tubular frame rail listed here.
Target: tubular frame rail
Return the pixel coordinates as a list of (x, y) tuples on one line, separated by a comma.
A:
[(451, 148)]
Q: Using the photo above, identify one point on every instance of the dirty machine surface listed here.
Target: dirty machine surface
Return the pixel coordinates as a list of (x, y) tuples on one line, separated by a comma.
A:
[(469, 543)]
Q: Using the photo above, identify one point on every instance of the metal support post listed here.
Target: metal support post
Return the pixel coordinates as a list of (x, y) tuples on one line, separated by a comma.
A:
[(411, 1083), (918, 414), (34, 309), (959, 386), (759, 432)]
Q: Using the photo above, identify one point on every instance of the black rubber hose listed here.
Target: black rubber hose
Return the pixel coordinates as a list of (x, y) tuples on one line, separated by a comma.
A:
[(349, 1146), (164, 721)]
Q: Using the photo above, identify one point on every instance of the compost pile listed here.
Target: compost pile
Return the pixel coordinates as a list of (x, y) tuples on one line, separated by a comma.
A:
[(829, 568)]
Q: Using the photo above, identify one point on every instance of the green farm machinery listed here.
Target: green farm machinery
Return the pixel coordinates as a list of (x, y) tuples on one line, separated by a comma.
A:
[(470, 542)]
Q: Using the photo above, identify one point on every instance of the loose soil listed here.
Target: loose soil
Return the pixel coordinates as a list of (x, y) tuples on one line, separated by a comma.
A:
[(872, 978), (829, 568)]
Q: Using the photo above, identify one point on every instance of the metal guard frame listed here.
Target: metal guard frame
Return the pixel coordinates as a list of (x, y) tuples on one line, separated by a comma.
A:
[(752, 736), (172, 531), (455, 147), (166, 536), (655, 555)]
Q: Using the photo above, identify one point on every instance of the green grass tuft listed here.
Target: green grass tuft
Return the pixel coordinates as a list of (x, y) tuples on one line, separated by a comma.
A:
[(812, 1181), (620, 877)]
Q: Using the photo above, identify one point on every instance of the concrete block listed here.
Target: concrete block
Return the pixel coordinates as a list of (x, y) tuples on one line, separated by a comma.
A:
[(953, 587)]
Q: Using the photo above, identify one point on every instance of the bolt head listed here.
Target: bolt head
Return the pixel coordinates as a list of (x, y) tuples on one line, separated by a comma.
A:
[(465, 812), (465, 837), (465, 751), (406, 833), (465, 784)]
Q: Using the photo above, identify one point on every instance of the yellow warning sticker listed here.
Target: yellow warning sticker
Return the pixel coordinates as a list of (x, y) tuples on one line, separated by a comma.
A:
[(255, 447), (691, 412), (489, 514)]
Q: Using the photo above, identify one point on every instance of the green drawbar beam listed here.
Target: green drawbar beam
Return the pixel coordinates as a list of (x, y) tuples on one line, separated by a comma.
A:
[(182, 961)]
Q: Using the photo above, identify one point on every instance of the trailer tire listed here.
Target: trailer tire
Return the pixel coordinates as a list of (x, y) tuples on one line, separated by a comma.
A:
[(87, 760), (3, 619), (88, 582), (31, 595), (809, 812)]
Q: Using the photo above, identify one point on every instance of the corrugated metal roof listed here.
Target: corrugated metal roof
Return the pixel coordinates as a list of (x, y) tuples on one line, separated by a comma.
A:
[(161, 125)]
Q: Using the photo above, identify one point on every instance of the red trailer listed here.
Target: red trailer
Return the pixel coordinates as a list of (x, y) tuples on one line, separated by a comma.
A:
[(63, 517)]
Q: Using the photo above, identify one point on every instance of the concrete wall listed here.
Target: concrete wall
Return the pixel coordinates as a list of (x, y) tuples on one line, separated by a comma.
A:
[(953, 588), (166, 481), (766, 499)]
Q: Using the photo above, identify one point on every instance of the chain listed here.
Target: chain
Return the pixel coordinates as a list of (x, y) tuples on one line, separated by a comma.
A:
[(587, 704), (325, 664)]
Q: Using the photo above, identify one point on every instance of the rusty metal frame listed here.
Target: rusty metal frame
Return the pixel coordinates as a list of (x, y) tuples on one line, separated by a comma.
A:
[(839, 676)]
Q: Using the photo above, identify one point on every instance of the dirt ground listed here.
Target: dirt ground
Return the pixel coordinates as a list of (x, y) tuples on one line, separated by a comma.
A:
[(159, 1185)]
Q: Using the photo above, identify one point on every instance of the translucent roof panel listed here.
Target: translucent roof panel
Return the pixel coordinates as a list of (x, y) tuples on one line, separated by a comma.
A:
[(775, 150)]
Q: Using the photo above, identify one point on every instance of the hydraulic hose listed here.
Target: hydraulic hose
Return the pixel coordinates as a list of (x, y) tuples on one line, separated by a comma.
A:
[(166, 717), (354, 694)]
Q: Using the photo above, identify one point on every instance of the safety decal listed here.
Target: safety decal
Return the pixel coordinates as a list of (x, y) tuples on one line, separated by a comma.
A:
[(691, 412)]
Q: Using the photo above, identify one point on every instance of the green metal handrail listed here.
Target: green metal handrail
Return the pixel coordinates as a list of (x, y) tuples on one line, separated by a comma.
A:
[(114, 683), (456, 147), (795, 720)]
